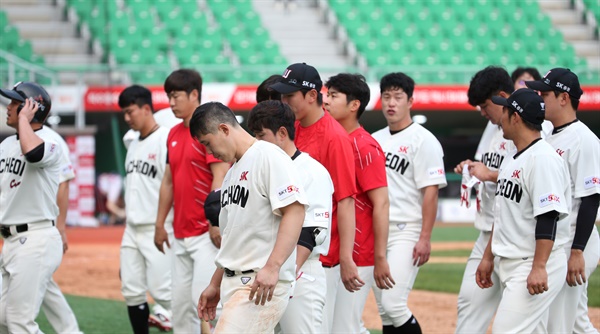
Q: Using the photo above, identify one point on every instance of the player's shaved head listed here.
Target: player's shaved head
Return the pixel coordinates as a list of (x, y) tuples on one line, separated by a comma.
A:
[(207, 117), (272, 115), (487, 83)]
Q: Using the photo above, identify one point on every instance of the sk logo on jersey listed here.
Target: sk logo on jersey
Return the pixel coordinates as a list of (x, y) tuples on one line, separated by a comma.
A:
[(591, 182), (503, 145), (152, 156), (403, 149), (287, 191), (548, 199), (244, 176), (516, 174), (560, 152), (245, 279)]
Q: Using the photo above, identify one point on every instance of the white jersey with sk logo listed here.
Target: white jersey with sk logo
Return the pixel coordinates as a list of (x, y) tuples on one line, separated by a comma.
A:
[(414, 160), (66, 170), (318, 188), (254, 189), (533, 182), (580, 147), (145, 167), (28, 190)]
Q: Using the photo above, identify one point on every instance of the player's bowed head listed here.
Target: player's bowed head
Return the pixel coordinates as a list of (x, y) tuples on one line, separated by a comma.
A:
[(214, 125)]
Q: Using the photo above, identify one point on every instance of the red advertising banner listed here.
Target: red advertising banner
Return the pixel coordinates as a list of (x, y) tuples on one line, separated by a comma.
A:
[(243, 97)]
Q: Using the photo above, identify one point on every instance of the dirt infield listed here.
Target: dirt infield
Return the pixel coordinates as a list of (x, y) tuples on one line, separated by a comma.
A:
[(91, 268)]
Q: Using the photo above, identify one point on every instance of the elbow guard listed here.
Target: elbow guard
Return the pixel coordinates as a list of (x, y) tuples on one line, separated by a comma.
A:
[(586, 216)]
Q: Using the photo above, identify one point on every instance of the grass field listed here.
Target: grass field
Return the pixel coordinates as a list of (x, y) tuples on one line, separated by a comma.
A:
[(108, 316)]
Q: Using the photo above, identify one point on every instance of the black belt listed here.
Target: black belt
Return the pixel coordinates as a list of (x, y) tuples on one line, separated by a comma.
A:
[(231, 273), (326, 266), (5, 229)]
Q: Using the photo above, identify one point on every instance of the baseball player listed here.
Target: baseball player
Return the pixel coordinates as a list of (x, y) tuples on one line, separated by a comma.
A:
[(143, 267), (55, 306), (273, 121), (347, 98), (319, 135), (477, 307), (190, 174), (530, 228), (30, 166), (522, 74), (415, 172), (580, 148), (262, 212)]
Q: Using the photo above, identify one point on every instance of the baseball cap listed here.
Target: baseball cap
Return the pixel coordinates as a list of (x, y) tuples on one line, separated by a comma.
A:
[(296, 77), (561, 79), (528, 103)]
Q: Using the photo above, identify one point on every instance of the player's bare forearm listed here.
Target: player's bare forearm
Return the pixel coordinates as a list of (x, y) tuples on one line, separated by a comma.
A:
[(302, 254), (381, 211), (62, 200), (537, 281), (27, 137), (483, 275), (346, 221), (165, 198), (218, 170), (292, 218), (381, 223), (422, 249), (209, 299)]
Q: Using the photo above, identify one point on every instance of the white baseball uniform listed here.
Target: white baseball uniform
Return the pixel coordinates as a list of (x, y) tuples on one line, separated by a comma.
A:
[(55, 306), (531, 183), (304, 313), (476, 306), (261, 182), (143, 267), (414, 160), (580, 148), (33, 250)]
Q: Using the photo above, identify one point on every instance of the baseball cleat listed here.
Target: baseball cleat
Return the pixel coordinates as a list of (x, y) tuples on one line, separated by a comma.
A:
[(160, 321)]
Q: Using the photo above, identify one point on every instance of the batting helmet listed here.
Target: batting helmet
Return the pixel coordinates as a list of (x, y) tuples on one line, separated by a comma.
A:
[(25, 90)]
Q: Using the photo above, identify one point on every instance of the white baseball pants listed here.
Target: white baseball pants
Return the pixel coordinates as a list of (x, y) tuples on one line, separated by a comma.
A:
[(241, 315), (29, 260), (304, 313), (144, 268), (569, 312), (393, 303), (520, 312), (193, 267), (477, 306), (349, 306), (57, 310)]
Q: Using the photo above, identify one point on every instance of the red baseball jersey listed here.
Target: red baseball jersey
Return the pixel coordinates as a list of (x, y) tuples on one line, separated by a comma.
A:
[(369, 162), (192, 181), (328, 143)]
